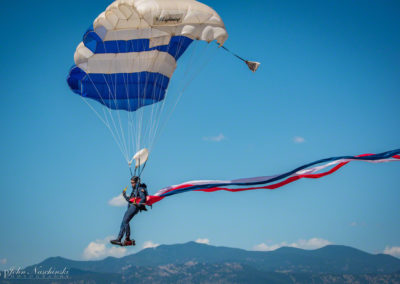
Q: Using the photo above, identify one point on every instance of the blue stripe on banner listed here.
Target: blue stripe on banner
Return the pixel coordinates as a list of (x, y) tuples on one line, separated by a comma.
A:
[(176, 47), (126, 91), (384, 155)]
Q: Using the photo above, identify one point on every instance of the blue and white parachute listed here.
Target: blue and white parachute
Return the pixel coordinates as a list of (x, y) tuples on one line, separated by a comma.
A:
[(128, 56)]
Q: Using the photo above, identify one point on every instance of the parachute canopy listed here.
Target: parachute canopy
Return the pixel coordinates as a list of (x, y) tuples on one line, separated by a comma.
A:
[(126, 60), (127, 57)]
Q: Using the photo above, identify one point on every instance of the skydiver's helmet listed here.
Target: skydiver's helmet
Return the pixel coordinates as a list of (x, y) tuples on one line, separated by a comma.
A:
[(136, 179)]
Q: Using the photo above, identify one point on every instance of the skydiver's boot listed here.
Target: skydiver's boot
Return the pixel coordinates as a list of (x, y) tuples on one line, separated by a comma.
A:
[(116, 242), (129, 242)]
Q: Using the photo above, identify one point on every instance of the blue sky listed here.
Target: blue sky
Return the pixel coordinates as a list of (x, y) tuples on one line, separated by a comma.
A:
[(329, 75)]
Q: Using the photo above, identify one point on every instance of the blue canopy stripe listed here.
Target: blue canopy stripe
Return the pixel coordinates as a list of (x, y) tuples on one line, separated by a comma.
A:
[(176, 47), (120, 90)]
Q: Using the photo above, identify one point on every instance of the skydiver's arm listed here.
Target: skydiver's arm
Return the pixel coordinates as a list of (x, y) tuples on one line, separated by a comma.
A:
[(125, 196)]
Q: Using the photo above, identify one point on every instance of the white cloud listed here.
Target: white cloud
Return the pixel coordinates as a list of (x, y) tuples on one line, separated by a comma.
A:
[(101, 249), (312, 243), (150, 244), (357, 224), (3, 260), (118, 201), (394, 251), (265, 247), (217, 138), (298, 139), (203, 241)]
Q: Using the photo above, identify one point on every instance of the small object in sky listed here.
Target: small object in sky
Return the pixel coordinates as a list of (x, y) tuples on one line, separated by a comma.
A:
[(253, 65)]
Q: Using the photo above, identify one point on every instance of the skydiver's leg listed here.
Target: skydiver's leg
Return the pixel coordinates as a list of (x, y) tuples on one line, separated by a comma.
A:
[(124, 223), (134, 210), (122, 230)]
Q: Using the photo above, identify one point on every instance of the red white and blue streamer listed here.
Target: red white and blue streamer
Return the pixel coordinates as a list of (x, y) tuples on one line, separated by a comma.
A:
[(314, 170)]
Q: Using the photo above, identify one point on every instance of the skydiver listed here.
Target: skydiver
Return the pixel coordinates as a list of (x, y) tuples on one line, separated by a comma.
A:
[(139, 190)]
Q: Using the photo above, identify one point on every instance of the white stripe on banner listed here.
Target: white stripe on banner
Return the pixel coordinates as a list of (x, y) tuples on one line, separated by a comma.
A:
[(110, 63)]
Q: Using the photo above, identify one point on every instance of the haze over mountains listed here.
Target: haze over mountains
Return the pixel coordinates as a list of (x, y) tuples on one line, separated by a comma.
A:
[(199, 263)]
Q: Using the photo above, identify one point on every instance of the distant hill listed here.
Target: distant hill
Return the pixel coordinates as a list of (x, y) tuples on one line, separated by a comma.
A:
[(199, 263), (329, 259)]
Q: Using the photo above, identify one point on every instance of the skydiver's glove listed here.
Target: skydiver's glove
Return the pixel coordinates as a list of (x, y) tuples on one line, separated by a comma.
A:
[(125, 189)]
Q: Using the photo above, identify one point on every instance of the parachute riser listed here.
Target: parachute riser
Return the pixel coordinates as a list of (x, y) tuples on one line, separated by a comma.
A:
[(130, 170)]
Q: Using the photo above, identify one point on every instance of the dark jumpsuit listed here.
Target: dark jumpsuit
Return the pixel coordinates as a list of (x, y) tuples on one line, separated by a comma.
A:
[(131, 211)]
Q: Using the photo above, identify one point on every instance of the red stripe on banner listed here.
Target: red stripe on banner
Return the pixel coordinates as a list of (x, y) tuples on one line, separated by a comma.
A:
[(153, 199), (178, 187), (150, 200), (279, 184), (288, 180)]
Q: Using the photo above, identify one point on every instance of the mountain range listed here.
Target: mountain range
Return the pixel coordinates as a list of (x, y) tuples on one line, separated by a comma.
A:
[(199, 263)]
